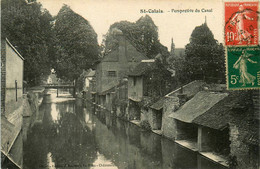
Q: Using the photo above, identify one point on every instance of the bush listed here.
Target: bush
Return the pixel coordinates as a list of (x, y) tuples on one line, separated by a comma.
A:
[(146, 125)]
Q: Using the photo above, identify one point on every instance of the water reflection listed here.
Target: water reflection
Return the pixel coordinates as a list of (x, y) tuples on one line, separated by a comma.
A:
[(71, 136)]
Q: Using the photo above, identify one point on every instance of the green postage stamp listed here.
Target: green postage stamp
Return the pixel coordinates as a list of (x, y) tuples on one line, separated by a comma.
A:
[(243, 67)]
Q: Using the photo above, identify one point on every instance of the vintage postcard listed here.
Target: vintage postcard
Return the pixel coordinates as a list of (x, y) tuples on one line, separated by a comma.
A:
[(112, 84)]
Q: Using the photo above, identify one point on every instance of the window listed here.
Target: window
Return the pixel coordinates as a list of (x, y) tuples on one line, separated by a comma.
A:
[(112, 73)]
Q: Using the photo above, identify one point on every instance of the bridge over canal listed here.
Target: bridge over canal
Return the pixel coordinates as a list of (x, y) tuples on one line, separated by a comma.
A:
[(61, 86)]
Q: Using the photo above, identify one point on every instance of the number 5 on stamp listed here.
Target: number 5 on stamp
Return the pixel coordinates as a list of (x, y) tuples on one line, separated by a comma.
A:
[(241, 23), (243, 67)]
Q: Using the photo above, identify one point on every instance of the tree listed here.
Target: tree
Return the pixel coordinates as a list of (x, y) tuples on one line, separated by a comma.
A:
[(143, 34), (160, 79), (77, 46), (204, 57), (29, 28)]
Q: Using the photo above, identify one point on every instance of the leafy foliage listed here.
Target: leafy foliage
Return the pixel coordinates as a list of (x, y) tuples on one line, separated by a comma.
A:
[(159, 80), (204, 57), (143, 34), (77, 46), (29, 28)]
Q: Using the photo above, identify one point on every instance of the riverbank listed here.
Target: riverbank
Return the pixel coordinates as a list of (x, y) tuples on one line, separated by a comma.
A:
[(13, 128)]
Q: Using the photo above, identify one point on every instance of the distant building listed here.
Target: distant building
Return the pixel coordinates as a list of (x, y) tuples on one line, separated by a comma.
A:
[(176, 52), (89, 78), (138, 83), (89, 88), (52, 79), (142, 88), (138, 87), (114, 67), (179, 52)]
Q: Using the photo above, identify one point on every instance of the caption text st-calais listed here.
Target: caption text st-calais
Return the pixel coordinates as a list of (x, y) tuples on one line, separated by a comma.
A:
[(203, 10)]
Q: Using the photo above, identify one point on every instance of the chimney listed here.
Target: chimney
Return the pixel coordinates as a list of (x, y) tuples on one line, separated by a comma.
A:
[(118, 34), (182, 97), (122, 47)]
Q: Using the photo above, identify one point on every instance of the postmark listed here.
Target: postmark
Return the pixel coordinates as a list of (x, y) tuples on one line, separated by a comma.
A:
[(243, 67), (241, 23)]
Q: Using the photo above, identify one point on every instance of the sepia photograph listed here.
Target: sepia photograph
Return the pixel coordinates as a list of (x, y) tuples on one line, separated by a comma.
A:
[(110, 84)]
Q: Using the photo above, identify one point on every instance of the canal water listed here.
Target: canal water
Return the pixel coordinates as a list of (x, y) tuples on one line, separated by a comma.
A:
[(71, 134)]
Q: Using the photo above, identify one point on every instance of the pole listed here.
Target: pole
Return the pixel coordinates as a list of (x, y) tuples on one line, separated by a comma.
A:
[(16, 90)]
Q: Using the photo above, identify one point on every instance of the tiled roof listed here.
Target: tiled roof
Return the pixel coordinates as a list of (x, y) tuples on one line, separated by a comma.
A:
[(159, 104), (198, 105), (111, 57), (231, 109), (112, 89)]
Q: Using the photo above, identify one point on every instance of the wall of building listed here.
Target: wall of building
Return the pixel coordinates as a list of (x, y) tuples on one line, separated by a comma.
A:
[(12, 75), (105, 82), (3, 74), (204, 139), (14, 72), (157, 119), (135, 87)]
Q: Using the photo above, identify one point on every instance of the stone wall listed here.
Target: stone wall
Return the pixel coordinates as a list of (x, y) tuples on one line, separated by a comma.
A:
[(134, 110), (168, 124), (240, 149), (153, 117)]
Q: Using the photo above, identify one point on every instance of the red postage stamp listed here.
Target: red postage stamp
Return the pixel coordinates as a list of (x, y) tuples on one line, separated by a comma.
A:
[(241, 23)]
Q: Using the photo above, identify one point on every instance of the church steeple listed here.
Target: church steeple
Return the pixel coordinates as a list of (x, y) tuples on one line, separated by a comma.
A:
[(172, 47), (205, 20)]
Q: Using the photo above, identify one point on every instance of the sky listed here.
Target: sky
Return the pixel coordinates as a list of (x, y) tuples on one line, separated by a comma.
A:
[(172, 23)]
